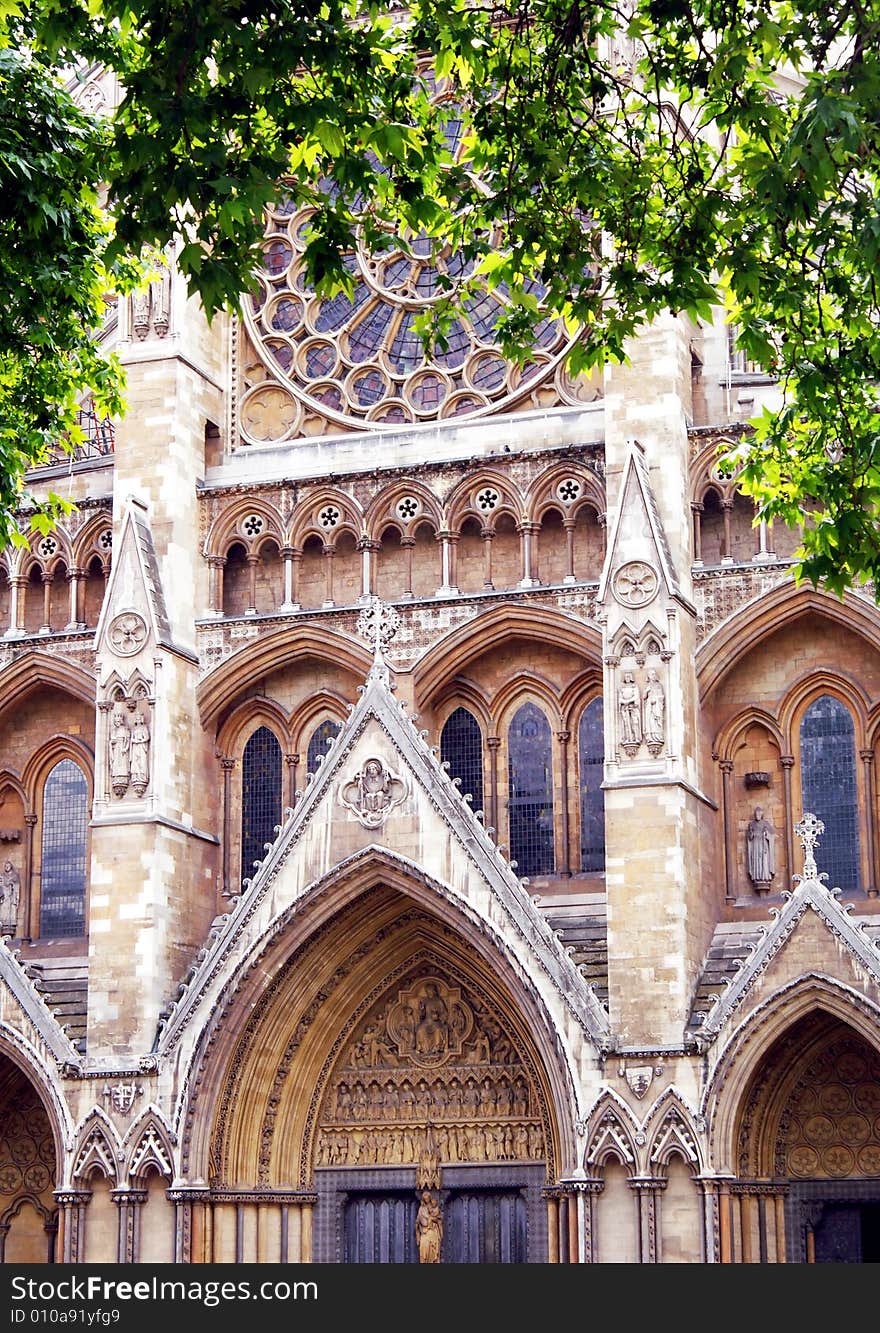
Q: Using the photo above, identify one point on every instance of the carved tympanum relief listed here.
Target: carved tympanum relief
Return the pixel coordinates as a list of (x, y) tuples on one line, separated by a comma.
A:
[(430, 1059)]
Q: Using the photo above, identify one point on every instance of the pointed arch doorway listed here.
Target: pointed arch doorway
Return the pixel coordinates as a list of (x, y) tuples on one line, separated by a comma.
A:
[(809, 1147), (379, 1036)]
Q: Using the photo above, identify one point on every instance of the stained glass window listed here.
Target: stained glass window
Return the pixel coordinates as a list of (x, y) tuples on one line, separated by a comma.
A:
[(318, 743), (374, 327), (530, 785), (461, 746), (591, 746), (63, 870), (829, 789), (260, 797)]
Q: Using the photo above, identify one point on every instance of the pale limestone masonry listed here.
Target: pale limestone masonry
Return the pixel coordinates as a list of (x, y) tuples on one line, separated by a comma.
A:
[(672, 1068)]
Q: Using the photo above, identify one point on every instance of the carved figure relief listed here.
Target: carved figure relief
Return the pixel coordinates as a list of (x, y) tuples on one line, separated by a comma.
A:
[(629, 707), (761, 850), (654, 707), (120, 751), (128, 740), (432, 1074), (372, 793), (140, 753), (10, 896), (152, 306), (429, 1228), (121, 1096)]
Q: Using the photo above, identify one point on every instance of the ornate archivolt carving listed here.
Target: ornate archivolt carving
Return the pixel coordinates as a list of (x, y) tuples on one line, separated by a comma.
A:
[(373, 793), (430, 1070)]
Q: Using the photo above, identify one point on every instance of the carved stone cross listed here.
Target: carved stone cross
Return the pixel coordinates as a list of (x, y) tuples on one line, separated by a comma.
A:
[(378, 623), (809, 831)]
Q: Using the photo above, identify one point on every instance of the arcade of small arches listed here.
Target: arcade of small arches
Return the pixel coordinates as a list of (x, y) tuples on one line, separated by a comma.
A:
[(486, 537), (57, 583)]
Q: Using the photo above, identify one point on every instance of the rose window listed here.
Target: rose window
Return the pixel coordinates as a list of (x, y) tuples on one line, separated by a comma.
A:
[(407, 508), (105, 541), (313, 364), (47, 547)]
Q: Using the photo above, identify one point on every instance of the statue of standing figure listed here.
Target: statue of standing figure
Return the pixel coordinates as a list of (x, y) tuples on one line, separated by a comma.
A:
[(654, 705), (139, 739), (120, 752), (760, 847), (10, 893), (429, 1228), (629, 704)]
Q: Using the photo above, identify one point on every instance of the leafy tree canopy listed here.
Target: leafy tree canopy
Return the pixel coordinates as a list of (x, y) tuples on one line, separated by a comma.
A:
[(640, 156)]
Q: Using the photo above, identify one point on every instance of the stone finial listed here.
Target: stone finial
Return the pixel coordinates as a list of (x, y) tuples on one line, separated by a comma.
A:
[(809, 830), (378, 623)]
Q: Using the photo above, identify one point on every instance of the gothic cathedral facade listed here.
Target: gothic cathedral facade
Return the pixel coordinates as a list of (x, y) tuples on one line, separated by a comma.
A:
[(435, 825)]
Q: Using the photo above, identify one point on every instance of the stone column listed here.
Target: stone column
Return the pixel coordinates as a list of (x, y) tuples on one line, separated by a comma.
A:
[(697, 511), (17, 587), (253, 564), (408, 545), (74, 576), (216, 565), (32, 908), (726, 766), (569, 576), (647, 1189), (563, 738), (227, 764), (527, 531), (787, 763), (727, 553), (493, 745), (71, 1206), (487, 535), (867, 757), (47, 602), (329, 553), (366, 547)]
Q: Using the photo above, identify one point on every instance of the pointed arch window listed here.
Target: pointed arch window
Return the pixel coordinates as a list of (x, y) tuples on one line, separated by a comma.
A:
[(317, 747), (260, 797), (829, 787), (461, 746), (64, 845), (591, 755), (530, 788)]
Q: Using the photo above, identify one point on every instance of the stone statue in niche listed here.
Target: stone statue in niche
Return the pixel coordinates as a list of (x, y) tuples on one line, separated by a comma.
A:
[(653, 709), (120, 751), (10, 895), (760, 848), (139, 739), (372, 793), (429, 1228), (629, 702)]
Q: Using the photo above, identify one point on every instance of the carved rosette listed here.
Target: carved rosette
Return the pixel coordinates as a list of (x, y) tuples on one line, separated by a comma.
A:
[(430, 1074), (635, 583), (127, 633)]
